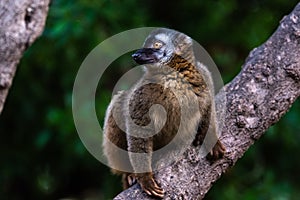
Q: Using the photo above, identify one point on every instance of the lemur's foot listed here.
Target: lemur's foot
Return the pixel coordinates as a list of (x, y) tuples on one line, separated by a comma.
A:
[(149, 185), (217, 151)]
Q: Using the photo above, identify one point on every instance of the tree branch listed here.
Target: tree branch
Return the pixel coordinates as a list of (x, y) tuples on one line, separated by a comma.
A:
[(257, 98), (21, 22)]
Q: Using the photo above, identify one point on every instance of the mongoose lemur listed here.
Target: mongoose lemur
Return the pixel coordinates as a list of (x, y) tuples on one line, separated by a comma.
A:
[(171, 72)]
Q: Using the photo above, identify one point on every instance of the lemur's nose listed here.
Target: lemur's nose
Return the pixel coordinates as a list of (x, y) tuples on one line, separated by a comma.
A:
[(135, 56)]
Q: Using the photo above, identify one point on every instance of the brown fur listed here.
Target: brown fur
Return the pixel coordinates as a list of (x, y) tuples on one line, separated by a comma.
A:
[(189, 79)]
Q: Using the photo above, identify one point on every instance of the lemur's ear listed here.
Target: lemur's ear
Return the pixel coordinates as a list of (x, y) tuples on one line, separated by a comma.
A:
[(188, 40), (184, 44)]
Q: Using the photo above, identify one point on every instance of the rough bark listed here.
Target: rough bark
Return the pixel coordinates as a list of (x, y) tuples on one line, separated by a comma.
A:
[(21, 22), (257, 98)]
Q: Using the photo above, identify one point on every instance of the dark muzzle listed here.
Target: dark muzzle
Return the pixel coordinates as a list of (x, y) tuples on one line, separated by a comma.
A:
[(146, 56)]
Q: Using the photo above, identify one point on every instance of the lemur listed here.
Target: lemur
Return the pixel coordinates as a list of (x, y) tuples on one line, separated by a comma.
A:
[(170, 67)]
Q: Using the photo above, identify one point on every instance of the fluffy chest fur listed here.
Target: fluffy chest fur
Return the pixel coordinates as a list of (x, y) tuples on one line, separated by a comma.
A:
[(179, 112)]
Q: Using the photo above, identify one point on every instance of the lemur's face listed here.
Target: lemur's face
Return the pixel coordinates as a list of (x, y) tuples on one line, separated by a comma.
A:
[(159, 47)]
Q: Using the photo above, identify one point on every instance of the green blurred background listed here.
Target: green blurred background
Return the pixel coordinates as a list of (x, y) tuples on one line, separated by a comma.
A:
[(41, 155)]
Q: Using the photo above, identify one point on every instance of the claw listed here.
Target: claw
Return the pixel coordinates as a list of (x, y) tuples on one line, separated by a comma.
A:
[(148, 192), (128, 180), (131, 179)]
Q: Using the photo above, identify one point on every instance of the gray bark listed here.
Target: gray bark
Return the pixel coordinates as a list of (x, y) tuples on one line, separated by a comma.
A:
[(21, 22), (257, 98)]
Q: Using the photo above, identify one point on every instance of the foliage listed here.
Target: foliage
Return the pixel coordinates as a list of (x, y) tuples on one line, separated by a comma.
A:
[(42, 156)]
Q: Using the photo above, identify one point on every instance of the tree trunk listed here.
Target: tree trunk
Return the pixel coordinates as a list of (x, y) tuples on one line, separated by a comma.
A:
[(21, 22), (260, 94)]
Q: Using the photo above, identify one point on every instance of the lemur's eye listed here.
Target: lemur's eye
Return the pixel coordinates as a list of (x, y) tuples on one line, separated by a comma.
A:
[(157, 45)]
